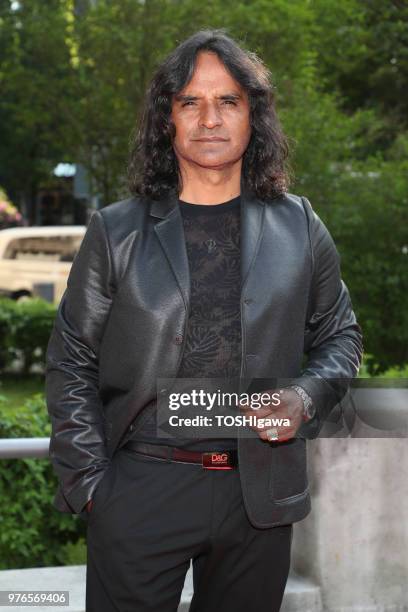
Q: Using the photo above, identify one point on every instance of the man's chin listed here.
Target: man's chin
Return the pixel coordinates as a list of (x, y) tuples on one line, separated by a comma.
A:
[(212, 163)]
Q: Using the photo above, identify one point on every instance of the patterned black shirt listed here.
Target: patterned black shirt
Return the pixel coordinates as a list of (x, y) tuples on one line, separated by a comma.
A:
[(213, 341)]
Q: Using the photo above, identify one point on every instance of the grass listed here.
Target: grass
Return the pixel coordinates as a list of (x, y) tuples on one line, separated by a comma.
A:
[(391, 373), (15, 389)]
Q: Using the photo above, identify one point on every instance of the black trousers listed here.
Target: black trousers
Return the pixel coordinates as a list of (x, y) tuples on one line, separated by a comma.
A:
[(150, 517)]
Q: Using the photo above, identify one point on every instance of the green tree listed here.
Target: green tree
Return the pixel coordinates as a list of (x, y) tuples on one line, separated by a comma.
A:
[(36, 79)]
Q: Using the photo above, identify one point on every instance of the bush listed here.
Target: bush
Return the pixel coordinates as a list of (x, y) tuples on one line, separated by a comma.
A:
[(33, 533), (7, 313), (25, 328)]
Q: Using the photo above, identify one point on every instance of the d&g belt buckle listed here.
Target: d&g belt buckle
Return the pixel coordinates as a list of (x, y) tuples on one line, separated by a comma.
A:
[(217, 461)]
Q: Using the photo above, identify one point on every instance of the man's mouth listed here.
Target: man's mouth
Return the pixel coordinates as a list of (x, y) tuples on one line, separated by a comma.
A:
[(211, 139)]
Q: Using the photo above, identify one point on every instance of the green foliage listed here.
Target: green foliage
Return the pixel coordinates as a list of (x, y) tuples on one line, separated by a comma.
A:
[(363, 52), (15, 388), (74, 553), (36, 79), (390, 374), (369, 217), (26, 326), (33, 533), (5, 318)]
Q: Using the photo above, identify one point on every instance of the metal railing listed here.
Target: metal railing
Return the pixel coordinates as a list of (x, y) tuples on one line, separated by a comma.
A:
[(19, 448)]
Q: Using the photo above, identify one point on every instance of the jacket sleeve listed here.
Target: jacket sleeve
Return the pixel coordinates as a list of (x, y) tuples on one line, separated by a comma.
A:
[(333, 338), (77, 445)]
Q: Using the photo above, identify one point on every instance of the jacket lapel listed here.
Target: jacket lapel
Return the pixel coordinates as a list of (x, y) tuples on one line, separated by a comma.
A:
[(170, 233), (252, 221)]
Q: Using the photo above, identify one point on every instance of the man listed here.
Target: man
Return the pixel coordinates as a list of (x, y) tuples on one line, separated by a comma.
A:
[(211, 269)]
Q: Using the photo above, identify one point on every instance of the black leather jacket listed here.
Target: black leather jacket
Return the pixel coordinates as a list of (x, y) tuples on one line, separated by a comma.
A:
[(120, 320)]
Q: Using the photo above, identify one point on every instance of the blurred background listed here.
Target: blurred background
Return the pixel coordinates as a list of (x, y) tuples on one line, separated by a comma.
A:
[(72, 80)]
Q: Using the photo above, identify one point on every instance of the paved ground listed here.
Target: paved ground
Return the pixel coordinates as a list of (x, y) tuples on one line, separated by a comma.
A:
[(300, 595)]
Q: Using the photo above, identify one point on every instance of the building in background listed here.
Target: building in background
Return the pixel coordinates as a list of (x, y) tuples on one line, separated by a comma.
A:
[(66, 199)]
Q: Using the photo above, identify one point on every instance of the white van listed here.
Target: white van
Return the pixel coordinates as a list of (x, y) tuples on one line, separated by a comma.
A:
[(35, 261)]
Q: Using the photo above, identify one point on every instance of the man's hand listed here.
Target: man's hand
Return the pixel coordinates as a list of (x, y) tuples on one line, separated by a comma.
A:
[(89, 505), (290, 407)]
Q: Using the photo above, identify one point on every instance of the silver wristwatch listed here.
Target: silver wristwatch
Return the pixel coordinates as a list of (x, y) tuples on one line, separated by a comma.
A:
[(308, 409)]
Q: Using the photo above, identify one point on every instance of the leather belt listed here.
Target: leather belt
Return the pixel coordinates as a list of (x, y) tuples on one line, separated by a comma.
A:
[(212, 460)]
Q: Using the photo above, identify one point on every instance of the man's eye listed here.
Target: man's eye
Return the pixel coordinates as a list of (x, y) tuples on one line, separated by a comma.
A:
[(189, 102)]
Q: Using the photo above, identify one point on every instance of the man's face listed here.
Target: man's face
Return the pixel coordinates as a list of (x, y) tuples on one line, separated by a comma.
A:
[(212, 105)]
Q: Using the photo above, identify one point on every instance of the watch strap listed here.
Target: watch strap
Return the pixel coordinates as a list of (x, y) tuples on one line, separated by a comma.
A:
[(308, 409)]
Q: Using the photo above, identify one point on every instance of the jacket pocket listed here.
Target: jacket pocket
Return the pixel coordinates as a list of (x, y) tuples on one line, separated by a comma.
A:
[(288, 473)]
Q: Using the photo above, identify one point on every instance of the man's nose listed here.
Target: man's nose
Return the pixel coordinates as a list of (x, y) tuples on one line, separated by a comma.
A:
[(210, 116)]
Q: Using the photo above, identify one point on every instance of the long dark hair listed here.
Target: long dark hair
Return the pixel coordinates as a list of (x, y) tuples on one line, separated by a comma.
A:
[(153, 167)]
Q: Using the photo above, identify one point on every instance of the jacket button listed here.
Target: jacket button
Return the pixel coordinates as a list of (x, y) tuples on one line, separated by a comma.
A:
[(178, 339), (248, 301)]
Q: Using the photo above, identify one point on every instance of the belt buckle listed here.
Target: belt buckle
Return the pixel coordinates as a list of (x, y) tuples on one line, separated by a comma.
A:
[(217, 460)]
